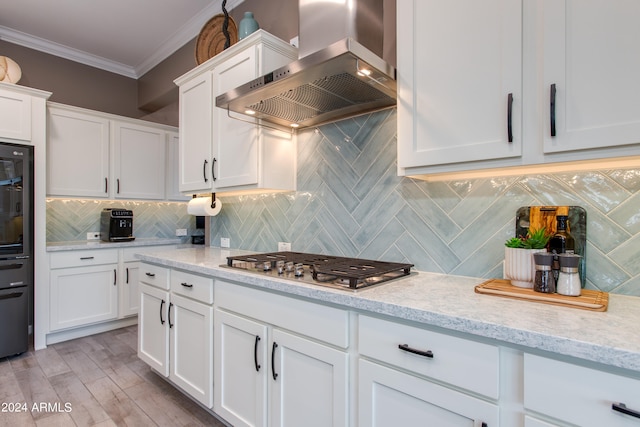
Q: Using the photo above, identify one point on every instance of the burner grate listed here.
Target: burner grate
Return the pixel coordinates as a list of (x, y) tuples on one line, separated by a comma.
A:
[(351, 273)]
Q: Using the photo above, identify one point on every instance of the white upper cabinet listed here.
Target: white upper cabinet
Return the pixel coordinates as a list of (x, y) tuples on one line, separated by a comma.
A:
[(15, 114), (80, 140), (219, 153), (112, 156), (139, 161), (459, 69), (460, 62), (591, 56)]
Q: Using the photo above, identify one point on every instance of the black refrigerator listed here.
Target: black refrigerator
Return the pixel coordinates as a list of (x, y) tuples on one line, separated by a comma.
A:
[(16, 247)]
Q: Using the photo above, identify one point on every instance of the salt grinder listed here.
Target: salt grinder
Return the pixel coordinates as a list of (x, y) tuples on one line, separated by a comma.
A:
[(544, 280), (568, 278)]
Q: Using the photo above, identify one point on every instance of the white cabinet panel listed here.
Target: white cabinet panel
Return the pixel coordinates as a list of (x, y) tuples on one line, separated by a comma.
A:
[(590, 55), (241, 369), (15, 115), (78, 154), (83, 295), (389, 398), (153, 329), (172, 174), (138, 161), (455, 74)]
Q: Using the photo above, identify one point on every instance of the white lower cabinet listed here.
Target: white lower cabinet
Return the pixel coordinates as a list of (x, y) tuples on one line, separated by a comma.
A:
[(578, 395), (175, 328), (279, 361), (408, 374), (83, 288)]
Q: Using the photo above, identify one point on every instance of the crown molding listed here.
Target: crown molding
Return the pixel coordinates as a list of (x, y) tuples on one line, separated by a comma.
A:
[(165, 48)]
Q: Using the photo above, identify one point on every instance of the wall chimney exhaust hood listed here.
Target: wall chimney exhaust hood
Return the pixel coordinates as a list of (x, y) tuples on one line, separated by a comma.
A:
[(341, 79)]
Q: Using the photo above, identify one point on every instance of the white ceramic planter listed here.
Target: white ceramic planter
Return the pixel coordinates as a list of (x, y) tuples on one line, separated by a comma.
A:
[(519, 266)]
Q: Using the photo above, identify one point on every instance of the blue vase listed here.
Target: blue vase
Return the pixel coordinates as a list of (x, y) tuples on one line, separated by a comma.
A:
[(248, 25)]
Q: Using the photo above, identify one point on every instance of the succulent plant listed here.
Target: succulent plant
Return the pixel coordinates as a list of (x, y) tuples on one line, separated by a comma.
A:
[(535, 239)]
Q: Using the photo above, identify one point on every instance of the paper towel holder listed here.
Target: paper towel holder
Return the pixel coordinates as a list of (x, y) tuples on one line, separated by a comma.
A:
[(213, 200)]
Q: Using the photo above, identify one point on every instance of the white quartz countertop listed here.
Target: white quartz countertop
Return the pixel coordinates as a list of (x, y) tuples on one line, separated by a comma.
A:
[(99, 244), (450, 302)]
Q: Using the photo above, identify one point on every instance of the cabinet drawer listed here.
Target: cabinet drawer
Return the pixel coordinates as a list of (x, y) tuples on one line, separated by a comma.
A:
[(463, 363), (323, 323), (83, 258), (578, 395), (192, 285), (154, 275)]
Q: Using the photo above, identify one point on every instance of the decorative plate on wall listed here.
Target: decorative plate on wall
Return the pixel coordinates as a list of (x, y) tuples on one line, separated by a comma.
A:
[(211, 39)]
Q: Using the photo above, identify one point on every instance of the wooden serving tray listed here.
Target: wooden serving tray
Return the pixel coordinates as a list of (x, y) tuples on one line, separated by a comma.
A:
[(588, 300)]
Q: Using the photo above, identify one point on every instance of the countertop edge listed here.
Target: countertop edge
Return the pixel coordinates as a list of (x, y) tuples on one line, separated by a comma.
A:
[(99, 244)]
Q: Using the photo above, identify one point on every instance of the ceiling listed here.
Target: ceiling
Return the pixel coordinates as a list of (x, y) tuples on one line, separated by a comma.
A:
[(127, 37)]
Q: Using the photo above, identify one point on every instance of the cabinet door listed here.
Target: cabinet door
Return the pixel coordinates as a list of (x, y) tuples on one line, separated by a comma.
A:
[(392, 398), (172, 170), (15, 115), (153, 328), (130, 289), (310, 387), (139, 161), (83, 295), (458, 65), (191, 326), (590, 55), (196, 134), (77, 154), (236, 161), (241, 368)]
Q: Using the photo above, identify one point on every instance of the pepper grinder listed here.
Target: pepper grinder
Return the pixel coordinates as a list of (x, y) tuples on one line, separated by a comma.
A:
[(544, 281), (568, 278)]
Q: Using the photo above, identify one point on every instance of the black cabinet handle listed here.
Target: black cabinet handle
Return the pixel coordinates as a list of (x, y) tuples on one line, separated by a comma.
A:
[(621, 407), (552, 109), (127, 276), (405, 347), (161, 319), (84, 258), (106, 185), (169, 315), (213, 172), (115, 276), (255, 354), (273, 360), (186, 285), (118, 186), (150, 274), (509, 115), (204, 170)]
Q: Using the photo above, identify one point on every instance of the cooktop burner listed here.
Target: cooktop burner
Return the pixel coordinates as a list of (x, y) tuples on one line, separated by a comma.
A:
[(326, 270)]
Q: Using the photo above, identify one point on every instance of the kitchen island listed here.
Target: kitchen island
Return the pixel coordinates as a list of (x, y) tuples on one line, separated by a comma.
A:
[(515, 336)]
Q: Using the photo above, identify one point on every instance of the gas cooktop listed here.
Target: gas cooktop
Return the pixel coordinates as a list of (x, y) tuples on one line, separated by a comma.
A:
[(336, 272)]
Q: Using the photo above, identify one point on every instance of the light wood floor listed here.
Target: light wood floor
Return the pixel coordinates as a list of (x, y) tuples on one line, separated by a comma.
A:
[(92, 381)]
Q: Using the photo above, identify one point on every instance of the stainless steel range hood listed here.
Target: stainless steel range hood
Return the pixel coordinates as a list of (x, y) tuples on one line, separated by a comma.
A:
[(341, 80)]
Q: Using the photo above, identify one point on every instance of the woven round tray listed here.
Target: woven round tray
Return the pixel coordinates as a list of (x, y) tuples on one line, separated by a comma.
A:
[(211, 39)]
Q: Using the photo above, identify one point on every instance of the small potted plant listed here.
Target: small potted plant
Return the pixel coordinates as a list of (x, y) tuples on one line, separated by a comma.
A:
[(519, 266)]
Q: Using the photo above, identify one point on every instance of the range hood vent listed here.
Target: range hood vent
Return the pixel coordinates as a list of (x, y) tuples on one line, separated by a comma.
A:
[(340, 78), (341, 81)]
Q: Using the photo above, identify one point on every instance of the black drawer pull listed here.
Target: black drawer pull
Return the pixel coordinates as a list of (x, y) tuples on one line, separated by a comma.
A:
[(187, 285), (405, 347), (552, 109), (255, 354), (115, 277), (161, 305), (273, 360), (84, 258), (509, 117), (150, 274), (621, 407), (169, 315)]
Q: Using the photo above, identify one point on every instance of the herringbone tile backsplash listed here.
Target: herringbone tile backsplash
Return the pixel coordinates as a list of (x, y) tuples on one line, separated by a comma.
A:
[(351, 202)]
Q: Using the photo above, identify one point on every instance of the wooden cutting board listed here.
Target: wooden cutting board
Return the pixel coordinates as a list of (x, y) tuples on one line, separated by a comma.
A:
[(588, 300)]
